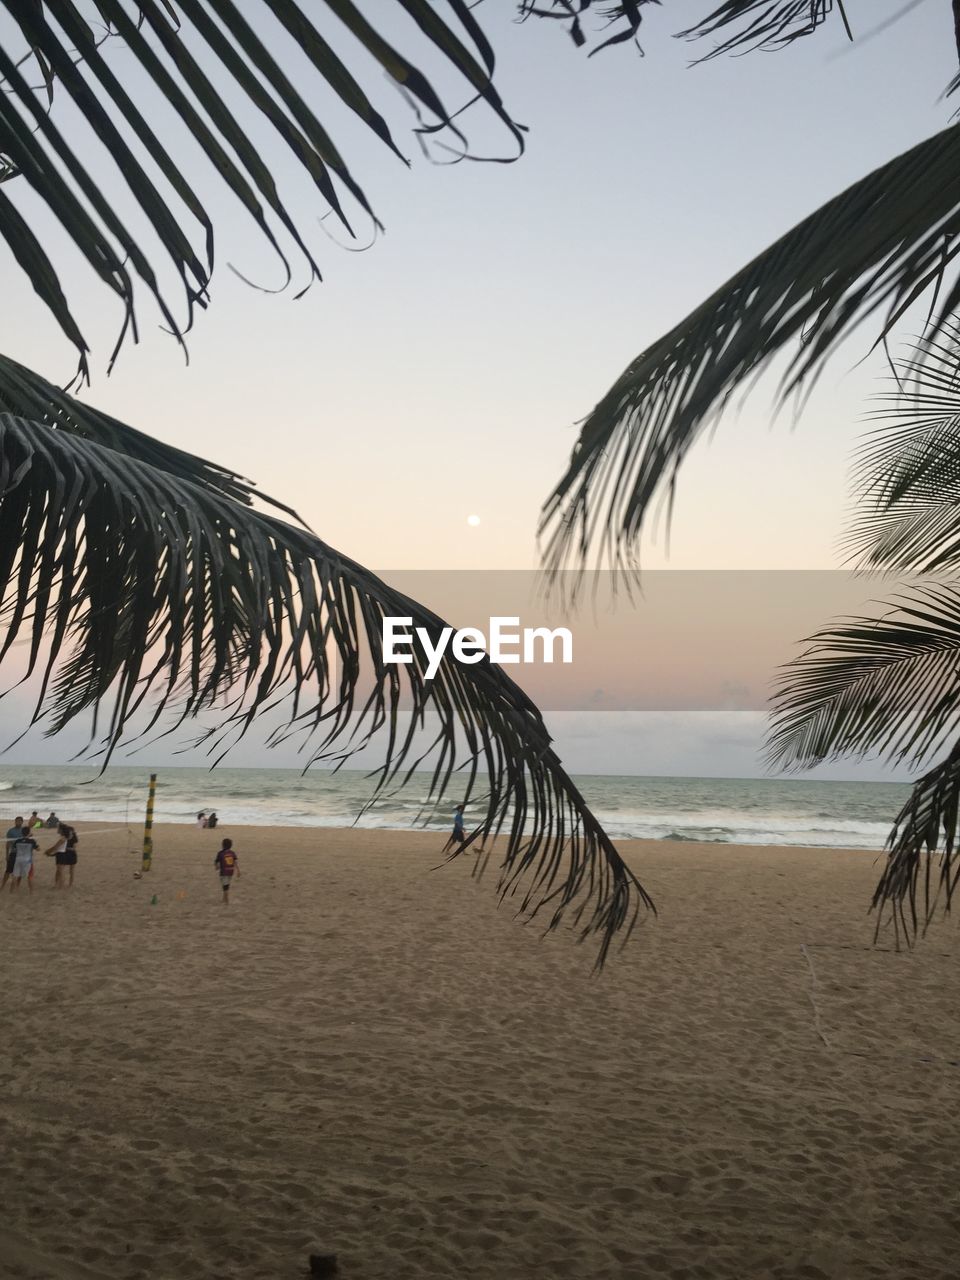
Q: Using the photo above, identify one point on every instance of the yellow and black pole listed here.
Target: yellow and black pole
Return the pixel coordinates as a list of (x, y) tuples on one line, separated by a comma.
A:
[(148, 827)]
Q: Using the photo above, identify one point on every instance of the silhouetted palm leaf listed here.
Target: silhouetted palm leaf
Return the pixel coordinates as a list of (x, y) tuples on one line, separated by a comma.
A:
[(191, 56), (757, 24), (143, 581), (875, 246), (29, 395), (927, 820), (764, 24), (891, 685), (625, 16), (888, 685), (908, 469)]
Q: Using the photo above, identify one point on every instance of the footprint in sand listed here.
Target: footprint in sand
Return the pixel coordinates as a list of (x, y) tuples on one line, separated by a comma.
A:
[(672, 1183), (625, 1195)]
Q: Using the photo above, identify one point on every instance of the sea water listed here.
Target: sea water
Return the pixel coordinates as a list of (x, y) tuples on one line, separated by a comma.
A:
[(721, 810)]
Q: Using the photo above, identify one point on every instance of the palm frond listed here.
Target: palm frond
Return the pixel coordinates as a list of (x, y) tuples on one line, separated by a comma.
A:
[(625, 15), (907, 470), (29, 395), (927, 820), (888, 685), (764, 24), (144, 585), (191, 56), (758, 24), (877, 245)]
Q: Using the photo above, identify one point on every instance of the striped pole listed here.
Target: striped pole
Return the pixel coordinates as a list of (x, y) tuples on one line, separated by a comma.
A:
[(148, 827)]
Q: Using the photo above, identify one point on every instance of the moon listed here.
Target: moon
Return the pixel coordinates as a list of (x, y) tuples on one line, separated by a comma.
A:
[(473, 521)]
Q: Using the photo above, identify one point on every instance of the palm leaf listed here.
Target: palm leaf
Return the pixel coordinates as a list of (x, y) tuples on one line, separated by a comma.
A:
[(191, 53), (764, 24), (757, 24), (627, 13), (29, 395), (907, 470), (928, 818), (145, 586), (888, 685), (875, 246)]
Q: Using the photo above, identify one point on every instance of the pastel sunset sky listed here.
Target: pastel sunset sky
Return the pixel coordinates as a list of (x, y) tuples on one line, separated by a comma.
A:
[(440, 373)]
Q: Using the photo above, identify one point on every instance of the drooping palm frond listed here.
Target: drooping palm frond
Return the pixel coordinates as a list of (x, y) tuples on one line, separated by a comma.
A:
[(764, 24), (887, 685), (29, 395), (199, 59), (142, 583), (757, 24), (891, 685), (907, 471), (625, 15), (926, 824), (877, 245)]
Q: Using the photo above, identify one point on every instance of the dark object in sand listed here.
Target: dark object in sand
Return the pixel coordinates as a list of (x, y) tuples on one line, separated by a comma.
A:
[(323, 1264)]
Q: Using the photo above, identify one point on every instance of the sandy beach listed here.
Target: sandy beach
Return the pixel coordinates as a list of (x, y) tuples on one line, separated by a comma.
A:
[(367, 1054)]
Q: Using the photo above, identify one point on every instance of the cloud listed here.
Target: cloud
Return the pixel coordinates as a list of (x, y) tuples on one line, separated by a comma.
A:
[(725, 743), (715, 744)]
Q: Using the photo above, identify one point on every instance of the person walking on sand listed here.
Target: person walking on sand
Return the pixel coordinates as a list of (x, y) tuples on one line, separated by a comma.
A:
[(456, 835), (65, 852), (13, 835), (228, 866), (23, 848)]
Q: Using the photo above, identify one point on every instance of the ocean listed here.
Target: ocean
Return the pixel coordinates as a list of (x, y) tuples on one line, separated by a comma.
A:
[(855, 815)]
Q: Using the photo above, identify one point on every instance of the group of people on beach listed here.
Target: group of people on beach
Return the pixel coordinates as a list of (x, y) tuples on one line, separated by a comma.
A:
[(22, 844)]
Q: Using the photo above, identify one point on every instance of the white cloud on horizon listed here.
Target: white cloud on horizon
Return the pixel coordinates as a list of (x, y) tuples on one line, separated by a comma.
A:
[(725, 744)]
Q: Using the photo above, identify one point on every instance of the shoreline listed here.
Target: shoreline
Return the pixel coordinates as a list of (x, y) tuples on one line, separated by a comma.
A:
[(720, 811), (432, 836)]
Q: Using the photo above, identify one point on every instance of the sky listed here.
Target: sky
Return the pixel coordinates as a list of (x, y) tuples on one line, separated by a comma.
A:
[(440, 373)]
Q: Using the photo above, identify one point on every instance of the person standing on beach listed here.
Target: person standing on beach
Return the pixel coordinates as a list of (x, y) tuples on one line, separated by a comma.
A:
[(35, 821), (228, 866), (65, 852), (201, 818), (13, 835), (23, 848)]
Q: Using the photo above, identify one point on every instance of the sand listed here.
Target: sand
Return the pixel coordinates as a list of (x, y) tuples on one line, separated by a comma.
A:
[(367, 1054)]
